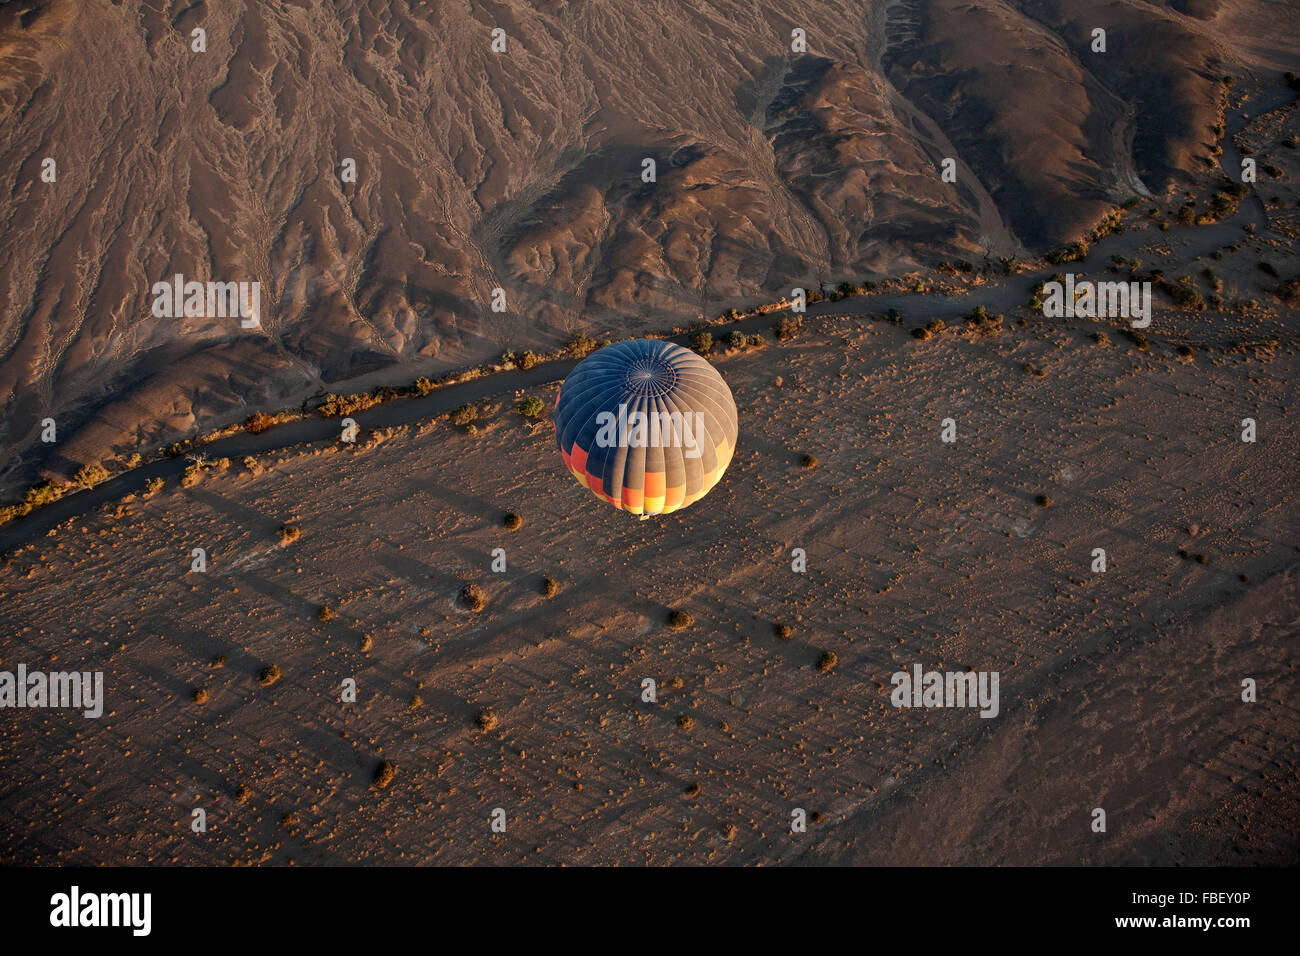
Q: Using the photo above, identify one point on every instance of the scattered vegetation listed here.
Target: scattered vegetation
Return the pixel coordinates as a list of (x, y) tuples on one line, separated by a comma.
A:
[(335, 405), (1043, 501), (983, 322), (289, 533), (384, 774), (326, 613), (88, 476), (200, 695), (702, 342), (258, 422), (512, 521), (1136, 337), (464, 415), (787, 326), (782, 631), (486, 720), (827, 661), (580, 345), (549, 588), (1071, 252), (679, 619), (531, 407), (192, 473), (809, 461), (153, 486), (269, 675), (472, 596)]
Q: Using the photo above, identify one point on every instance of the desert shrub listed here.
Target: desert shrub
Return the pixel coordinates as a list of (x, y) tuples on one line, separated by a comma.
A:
[(787, 326), (258, 422), (190, 476), (702, 342), (1043, 501), (549, 588), (984, 322), (289, 533), (1290, 292), (422, 386), (200, 695), (757, 341), (464, 415), (1137, 338), (782, 631), (581, 344), (922, 334), (679, 619), (737, 339), (269, 675), (809, 461), (1186, 351), (846, 289), (1071, 252), (827, 661), (1185, 297), (88, 476), (526, 360), (472, 596), (153, 486), (511, 521), (326, 613), (335, 405), (485, 719), (384, 774), (894, 316), (1100, 338), (531, 407), (685, 721)]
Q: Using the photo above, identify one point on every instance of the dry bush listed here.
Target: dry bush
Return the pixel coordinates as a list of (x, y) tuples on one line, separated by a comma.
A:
[(257, 423), (88, 476), (464, 415), (472, 596)]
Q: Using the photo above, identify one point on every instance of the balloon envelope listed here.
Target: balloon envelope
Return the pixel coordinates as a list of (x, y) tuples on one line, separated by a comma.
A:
[(646, 425)]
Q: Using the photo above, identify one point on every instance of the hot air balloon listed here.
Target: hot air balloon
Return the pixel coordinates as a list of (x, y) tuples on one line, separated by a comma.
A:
[(647, 425)]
